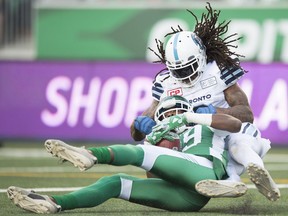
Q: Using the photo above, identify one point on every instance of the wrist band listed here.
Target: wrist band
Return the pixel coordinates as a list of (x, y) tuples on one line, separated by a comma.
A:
[(203, 119)]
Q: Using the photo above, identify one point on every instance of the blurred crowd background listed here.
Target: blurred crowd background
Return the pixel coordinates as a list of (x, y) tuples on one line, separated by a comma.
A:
[(18, 17)]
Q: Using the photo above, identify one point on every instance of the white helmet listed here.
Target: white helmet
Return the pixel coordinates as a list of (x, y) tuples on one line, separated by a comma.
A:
[(171, 103), (185, 57)]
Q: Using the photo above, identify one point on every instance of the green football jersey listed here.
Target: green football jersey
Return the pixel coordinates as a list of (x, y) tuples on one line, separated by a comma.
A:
[(203, 141)]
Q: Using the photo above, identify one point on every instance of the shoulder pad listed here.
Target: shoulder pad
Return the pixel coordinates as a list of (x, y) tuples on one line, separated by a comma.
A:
[(232, 75)]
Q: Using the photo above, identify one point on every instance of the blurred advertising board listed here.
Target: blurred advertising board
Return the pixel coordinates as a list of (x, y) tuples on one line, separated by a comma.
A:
[(125, 33), (99, 100)]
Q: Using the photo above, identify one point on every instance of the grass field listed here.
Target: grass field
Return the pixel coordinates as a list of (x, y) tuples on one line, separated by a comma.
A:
[(29, 166)]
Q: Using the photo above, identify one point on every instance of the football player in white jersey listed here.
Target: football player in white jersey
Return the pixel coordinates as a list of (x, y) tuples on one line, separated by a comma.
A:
[(202, 69)]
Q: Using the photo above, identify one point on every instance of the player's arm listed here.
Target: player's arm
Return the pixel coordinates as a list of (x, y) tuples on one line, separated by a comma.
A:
[(238, 102), (218, 121), (137, 135)]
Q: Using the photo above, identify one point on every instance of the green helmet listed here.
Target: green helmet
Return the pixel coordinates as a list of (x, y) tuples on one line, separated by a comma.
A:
[(171, 103)]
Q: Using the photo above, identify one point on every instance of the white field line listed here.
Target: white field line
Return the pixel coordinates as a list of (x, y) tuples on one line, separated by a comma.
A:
[(23, 153), (64, 189)]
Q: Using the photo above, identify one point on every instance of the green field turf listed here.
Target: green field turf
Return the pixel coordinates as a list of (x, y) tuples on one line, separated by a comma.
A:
[(29, 166)]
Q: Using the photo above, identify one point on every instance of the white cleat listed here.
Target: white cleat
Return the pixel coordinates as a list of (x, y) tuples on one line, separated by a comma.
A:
[(79, 157), (32, 202), (221, 188), (263, 182)]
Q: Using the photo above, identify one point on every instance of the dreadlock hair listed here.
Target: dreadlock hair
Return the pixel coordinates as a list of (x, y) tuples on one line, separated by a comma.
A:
[(210, 33)]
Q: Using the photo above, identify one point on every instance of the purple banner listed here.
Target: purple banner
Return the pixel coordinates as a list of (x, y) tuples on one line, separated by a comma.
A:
[(98, 101), (266, 86)]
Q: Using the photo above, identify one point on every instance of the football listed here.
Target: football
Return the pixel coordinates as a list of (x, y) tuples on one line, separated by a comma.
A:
[(175, 145)]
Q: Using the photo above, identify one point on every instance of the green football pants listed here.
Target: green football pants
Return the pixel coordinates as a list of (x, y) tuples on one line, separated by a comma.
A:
[(174, 191)]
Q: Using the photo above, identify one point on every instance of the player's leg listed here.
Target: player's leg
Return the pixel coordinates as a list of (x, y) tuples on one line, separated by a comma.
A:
[(173, 166), (247, 146), (149, 192), (245, 149), (159, 193), (90, 196), (162, 162), (240, 155), (230, 187), (86, 158), (240, 149)]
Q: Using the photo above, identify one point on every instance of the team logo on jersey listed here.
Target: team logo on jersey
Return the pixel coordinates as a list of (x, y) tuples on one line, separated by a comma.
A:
[(208, 82), (177, 91)]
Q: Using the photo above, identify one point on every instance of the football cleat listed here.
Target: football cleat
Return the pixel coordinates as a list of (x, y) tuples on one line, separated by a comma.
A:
[(79, 157), (263, 182), (220, 188), (31, 201)]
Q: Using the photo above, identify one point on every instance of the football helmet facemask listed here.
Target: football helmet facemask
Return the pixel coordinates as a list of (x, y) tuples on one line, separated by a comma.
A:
[(185, 57), (175, 103)]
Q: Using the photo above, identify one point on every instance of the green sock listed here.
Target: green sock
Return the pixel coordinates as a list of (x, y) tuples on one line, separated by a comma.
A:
[(92, 195), (121, 155), (127, 155), (66, 201), (102, 154)]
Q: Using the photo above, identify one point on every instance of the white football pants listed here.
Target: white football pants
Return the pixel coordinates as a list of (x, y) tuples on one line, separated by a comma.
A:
[(245, 147)]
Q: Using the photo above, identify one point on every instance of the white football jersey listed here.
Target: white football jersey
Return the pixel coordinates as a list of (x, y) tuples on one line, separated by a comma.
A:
[(209, 89)]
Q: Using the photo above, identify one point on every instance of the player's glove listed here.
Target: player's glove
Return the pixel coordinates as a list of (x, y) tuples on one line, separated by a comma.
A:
[(210, 109), (158, 133), (162, 130), (176, 122), (144, 124)]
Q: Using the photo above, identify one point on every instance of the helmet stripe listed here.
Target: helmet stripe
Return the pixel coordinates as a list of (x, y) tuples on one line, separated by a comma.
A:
[(175, 52)]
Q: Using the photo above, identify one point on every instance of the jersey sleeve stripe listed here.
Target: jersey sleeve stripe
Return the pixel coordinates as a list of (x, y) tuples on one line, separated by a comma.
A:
[(235, 71), (157, 91), (230, 76), (156, 95)]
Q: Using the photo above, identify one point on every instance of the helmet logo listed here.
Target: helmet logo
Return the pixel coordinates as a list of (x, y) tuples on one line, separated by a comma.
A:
[(198, 41), (177, 91)]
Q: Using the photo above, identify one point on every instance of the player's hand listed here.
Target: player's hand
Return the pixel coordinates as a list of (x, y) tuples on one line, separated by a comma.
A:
[(162, 130), (159, 132), (176, 122), (155, 136), (210, 109), (144, 124)]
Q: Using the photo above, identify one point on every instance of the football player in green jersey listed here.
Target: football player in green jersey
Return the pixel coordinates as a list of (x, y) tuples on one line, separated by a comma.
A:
[(202, 157)]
